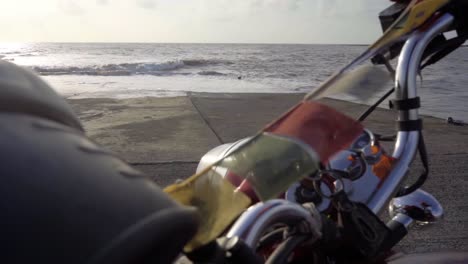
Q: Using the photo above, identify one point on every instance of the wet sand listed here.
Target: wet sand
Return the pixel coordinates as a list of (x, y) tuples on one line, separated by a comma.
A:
[(166, 137)]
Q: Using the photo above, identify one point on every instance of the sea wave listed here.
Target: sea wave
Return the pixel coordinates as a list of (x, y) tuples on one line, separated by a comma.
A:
[(211, 73), (203, 62), (125, 69), (32, 54)]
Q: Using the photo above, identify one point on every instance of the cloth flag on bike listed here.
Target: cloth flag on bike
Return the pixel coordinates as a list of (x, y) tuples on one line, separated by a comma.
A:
[(282, 153)]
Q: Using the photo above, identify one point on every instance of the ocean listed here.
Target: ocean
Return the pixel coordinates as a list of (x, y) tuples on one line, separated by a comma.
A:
[(124, 70)]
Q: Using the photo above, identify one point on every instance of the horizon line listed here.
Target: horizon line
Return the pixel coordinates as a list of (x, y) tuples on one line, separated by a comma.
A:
[(197, 43)]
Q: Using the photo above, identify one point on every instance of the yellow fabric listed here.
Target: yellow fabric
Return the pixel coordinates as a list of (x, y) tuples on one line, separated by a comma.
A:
[(414, 16), (217, 201)]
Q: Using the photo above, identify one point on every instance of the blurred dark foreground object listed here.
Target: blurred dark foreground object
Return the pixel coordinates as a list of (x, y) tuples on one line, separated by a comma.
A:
[(22, 92), (63, 199)]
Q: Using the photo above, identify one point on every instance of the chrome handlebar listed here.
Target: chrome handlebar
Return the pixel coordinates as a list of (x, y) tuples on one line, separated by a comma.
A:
[(406, 88)]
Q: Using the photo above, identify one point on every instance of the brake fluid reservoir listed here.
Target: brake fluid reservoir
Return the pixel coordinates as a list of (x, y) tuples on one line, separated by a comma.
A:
[(364, 166)]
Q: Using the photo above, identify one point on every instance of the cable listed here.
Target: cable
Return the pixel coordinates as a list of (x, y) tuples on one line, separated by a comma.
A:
[(285, 249), (271, 237), (375, 105)]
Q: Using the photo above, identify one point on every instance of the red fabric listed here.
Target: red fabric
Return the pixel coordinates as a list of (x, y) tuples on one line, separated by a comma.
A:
[(323, 128), (243, 185)]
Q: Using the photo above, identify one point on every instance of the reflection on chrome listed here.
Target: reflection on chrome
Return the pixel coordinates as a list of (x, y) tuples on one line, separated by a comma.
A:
[(419, 205)]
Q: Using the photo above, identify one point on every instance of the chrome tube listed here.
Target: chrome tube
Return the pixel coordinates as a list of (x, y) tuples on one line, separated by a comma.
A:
[(406, 88), (254, 222)]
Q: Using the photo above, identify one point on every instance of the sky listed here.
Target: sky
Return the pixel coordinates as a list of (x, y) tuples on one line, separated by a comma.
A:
[(192, 21)]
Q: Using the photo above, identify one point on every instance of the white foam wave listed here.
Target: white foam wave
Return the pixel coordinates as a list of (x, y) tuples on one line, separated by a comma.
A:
[(124, 69)]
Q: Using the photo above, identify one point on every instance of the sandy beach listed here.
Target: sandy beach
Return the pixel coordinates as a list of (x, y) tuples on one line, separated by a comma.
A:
[(166, 137)]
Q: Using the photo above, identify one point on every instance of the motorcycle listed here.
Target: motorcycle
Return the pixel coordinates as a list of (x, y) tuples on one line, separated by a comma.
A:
[(307, 188), (289, 197)]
